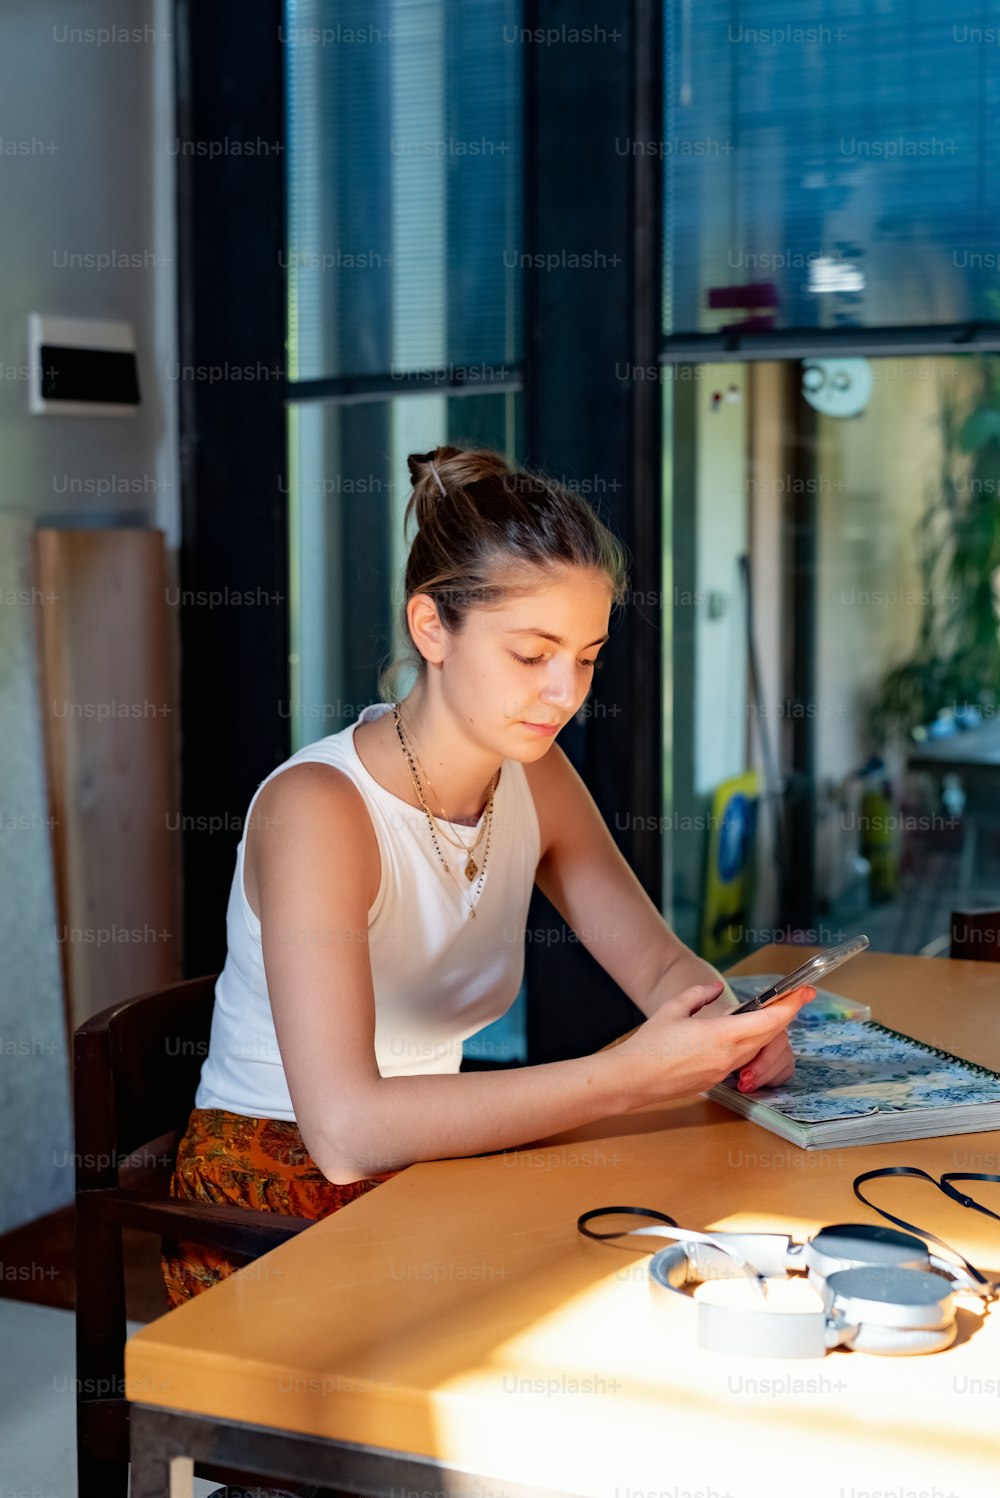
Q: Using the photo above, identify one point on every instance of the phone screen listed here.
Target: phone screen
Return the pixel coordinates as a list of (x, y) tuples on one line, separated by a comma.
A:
[(810, 972)]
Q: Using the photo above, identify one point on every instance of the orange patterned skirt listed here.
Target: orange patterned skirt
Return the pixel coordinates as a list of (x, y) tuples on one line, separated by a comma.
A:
[(260, 1163)]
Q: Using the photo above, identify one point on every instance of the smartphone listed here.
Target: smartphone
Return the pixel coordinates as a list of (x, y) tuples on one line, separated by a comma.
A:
[(810, 972)]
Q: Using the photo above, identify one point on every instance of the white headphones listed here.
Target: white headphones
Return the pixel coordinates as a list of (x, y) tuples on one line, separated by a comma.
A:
[(879, 1290)]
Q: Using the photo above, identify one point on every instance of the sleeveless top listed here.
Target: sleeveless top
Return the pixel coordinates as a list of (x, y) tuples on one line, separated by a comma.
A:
[(438, 976)]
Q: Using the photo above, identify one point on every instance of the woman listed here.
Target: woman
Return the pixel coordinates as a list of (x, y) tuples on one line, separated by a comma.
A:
[(378, 905)]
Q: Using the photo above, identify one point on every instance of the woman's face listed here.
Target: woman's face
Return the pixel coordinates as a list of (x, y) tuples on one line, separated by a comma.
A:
[(529, 662)]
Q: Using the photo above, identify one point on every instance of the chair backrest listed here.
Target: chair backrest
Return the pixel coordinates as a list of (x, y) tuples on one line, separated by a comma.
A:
[(137, 1066), (975, 934)]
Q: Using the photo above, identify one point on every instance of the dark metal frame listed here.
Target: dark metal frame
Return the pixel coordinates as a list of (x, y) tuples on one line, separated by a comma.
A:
[(650, 850), (160, 1435), (843, 342), (230, 210), (351, 389), (799, 628), (583, 419)]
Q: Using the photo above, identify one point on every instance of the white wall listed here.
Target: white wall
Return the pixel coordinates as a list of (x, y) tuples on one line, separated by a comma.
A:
[(878, 471), (708, 641), (86, 167), (720, 610), (90, 122)]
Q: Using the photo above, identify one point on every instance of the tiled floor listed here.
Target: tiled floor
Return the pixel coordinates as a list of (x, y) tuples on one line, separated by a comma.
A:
[(37, 1421), (918, 918)]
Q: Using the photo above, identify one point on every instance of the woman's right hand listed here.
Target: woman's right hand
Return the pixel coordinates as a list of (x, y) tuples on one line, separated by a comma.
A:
[(674, 1053)]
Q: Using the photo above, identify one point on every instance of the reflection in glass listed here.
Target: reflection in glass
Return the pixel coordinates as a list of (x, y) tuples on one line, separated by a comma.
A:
[(862, 682), (828, 166), (348, 489), (404, 165)]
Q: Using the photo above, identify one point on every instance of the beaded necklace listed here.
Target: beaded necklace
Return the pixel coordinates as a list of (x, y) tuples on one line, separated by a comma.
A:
[(471, 867)]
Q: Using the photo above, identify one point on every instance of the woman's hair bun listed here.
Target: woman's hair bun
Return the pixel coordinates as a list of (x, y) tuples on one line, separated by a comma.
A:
[(457, 469), (487, 532), (419, 465)]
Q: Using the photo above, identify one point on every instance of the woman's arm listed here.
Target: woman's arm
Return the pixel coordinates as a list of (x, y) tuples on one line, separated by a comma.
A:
[(314, 879), (390, 1122), (586, 877), (584, 874)]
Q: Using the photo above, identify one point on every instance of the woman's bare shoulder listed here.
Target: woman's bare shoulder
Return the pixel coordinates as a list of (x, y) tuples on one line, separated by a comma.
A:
[(302, 795)]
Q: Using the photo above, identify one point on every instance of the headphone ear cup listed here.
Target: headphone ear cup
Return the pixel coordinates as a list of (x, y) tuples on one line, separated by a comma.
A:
[(897, 1341)]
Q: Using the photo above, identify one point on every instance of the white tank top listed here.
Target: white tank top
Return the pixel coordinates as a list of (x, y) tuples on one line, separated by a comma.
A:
[(438, 976)]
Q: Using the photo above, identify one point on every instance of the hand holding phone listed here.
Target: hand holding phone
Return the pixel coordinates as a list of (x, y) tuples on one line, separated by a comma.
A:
[(810, 972)]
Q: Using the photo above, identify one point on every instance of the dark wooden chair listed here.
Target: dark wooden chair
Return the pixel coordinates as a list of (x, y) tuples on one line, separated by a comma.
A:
[(136, 1068), (975, 934)]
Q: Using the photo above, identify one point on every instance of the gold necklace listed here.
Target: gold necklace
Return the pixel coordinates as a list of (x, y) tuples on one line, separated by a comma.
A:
[(471, 867), (456, 842), (488, 818)]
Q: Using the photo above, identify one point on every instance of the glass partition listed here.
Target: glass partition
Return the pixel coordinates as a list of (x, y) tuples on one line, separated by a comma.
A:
[(834, 608), (404, 185), (348, 486), (828, 164)]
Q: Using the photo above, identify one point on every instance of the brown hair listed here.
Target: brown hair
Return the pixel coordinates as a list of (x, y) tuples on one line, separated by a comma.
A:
[(491, 518)]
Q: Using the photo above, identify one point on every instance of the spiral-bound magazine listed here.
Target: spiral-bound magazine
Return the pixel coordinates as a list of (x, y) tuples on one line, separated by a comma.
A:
[(858, 1082)]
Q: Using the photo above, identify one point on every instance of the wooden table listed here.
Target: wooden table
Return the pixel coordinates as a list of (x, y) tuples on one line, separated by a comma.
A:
[(974, 755), (967, 751), (452, 1334)]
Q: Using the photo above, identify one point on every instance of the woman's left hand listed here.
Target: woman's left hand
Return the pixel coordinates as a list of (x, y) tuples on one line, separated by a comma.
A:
[(773, 1064)]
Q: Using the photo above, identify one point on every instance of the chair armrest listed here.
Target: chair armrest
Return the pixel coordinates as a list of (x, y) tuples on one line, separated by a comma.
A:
[(236, 1230)]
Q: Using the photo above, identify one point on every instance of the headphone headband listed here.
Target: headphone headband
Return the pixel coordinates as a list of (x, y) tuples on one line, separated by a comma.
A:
[(870, 1288)]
